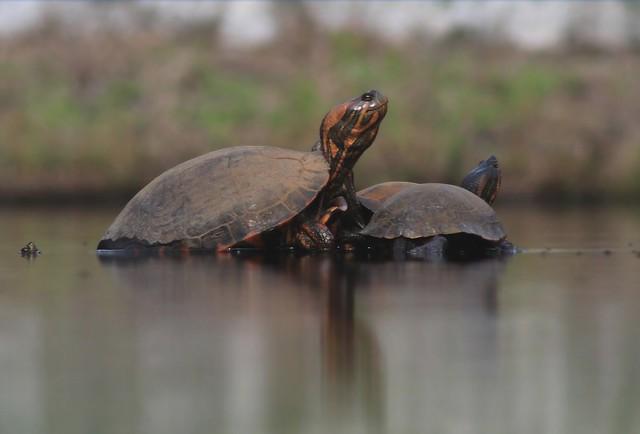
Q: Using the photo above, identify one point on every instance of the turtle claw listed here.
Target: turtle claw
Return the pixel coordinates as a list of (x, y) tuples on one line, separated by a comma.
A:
[(358, 220)]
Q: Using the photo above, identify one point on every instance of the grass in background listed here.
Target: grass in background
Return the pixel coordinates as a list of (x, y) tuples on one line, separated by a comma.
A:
[(105, 113)]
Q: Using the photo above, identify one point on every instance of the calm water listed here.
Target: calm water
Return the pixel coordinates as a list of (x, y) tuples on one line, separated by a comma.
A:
[(546, 342)]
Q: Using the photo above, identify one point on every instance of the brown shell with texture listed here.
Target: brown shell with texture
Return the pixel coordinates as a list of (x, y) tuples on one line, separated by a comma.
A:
[(221, 198), (425, 210), (373, 197)]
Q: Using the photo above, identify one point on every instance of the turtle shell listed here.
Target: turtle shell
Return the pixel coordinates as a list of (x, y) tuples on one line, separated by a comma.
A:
[(373, 197), (425, 210), (221, 198)]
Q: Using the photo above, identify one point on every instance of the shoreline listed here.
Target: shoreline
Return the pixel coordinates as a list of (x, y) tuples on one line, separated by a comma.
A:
[(118, 198)]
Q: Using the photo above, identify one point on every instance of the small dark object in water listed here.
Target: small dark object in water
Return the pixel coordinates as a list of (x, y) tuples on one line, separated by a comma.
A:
[(30, 249), (607, 252)]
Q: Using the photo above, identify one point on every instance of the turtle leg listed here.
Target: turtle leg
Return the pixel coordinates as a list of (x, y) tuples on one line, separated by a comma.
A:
[(337, 205), (432, 250), (314, 236), (507, 248), (349, 241)]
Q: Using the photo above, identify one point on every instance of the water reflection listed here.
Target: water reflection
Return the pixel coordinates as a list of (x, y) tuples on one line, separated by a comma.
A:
[(295, 342), (352, 375), (228, 344)]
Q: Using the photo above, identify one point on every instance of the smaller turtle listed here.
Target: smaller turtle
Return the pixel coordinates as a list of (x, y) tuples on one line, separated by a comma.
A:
[(30, 249), (437, 220), (483, 180)]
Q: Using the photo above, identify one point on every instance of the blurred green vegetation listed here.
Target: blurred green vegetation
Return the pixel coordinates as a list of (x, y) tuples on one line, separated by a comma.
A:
[(103, 113)]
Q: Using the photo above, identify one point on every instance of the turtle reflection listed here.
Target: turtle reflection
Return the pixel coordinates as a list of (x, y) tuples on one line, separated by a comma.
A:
[(304, 338)]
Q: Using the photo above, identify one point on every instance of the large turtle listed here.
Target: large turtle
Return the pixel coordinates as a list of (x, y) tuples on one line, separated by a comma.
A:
[(237, 196), (433, 220)]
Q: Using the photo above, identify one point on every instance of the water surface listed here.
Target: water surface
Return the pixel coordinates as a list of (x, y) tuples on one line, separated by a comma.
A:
[(544, 342)]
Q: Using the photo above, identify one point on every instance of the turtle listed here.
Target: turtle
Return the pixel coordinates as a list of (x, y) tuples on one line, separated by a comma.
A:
[(483, 180), (256, 196), (434, 220)]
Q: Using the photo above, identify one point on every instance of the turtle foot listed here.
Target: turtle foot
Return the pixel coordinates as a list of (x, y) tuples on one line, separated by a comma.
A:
[(432, 250)]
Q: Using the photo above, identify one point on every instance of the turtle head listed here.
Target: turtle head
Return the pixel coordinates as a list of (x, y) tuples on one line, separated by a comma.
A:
[(349, 129), (484, 180)]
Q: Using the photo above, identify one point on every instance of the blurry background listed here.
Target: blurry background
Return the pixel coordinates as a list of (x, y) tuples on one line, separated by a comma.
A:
[(97, 98)]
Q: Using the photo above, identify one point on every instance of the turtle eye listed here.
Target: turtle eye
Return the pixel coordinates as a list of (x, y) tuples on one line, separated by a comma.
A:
[(367, 96)]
